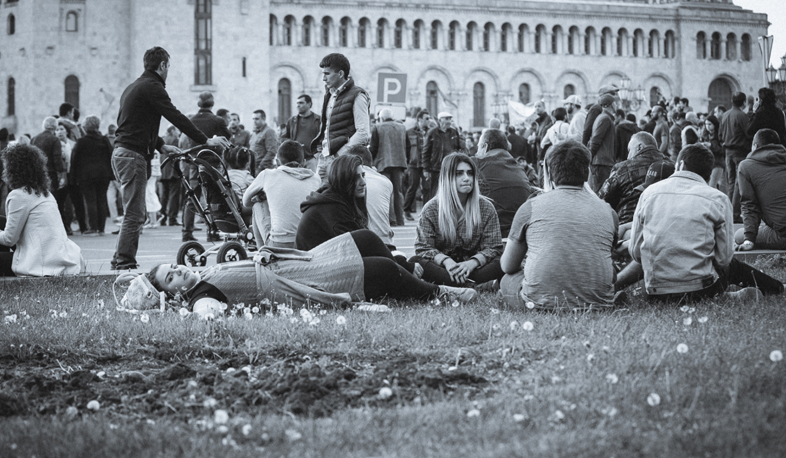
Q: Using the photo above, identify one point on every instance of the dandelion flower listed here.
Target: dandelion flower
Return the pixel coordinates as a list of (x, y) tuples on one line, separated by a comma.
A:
[(684, 309), (473, 413), (144, 318), (209, 403), (687, 321), (93, 405), (100, 303), (612, 378), (323, 312), (530, 305), (385, 393), (558, 415), (682, 348), (293, 320), (246, 430), (518, 418), (314, 321), (590, 358), (71, 411), (455, 304), (223, 429), (184, 312), (513, 325), (340, 320), (691, 310), (435, 302), (528, 397), (527, 326), (494, 311), (776, 356), (63, 314), (703, 319), (293, 435), (10, 319), (255, 309), (220, 416), (653, 399)]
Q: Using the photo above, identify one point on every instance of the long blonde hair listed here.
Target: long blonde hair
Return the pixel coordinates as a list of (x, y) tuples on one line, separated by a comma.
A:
[(450, 210)]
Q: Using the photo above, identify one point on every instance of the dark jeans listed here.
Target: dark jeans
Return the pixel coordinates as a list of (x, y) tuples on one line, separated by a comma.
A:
[(384, 276), (190, 210), (131, 172), (94, 192), (732, 164), (74, 194), (737, 273), (412, 191), (170, 199), (6, 256), (394, 174), (430, 187), (435, 273)]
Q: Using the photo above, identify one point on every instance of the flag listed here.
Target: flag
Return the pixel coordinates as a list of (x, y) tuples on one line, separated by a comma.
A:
[(520, 114)]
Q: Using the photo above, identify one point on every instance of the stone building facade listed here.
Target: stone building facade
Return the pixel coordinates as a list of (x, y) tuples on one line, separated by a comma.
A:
[(459, 56)]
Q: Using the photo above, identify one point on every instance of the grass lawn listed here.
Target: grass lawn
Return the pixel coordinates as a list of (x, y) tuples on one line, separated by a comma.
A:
[(424, 380)]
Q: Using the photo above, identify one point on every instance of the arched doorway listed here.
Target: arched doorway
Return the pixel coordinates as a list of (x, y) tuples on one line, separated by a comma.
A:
[(284, 100), (720, 93), (72, 90)]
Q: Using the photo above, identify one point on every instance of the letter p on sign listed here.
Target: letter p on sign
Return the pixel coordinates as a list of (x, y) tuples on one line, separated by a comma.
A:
[(392, 88)]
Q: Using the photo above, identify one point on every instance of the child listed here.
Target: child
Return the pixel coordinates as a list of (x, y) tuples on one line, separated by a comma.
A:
[(152, 203)]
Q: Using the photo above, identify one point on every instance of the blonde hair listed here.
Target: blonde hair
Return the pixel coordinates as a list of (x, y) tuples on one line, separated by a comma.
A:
[(450, 210)]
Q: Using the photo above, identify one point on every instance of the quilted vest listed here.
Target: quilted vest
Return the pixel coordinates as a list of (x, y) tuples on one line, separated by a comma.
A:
[(342, 119)]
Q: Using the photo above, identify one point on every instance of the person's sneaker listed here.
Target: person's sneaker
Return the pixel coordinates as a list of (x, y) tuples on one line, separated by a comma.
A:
[(213, 237), (189, 237), (69, 232), (463, 295), (174, 223), (747, 294), (408, 216), (116, 232)]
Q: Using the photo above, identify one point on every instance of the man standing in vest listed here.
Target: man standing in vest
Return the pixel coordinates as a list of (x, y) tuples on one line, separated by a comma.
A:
[(345, 113)]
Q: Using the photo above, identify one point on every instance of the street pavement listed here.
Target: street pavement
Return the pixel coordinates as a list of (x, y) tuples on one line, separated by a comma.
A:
[(160, 245)]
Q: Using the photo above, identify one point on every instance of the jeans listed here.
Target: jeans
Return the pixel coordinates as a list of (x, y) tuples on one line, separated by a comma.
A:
[(412, 191), (435, 273), (131, 171), (170, 199), (323, 166), (732, 163), (190, 210), (94, 192), (394, 174), (430, 186), (718, 180), (112, 194)]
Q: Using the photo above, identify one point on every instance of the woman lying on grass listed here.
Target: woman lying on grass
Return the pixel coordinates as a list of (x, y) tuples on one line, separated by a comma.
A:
[(355, 266), (33, 223)]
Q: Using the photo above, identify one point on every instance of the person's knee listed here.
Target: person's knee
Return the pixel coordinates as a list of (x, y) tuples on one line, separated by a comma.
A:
[(739, 236)]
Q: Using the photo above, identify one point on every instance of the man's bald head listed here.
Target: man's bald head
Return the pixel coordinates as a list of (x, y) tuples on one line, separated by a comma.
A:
[(639, 141)]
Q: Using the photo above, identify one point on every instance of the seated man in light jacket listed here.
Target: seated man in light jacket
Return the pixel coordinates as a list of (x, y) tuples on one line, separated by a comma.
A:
[(682, 235)]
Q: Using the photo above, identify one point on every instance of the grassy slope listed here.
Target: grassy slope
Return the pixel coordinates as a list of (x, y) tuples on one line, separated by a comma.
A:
[(724, 397)]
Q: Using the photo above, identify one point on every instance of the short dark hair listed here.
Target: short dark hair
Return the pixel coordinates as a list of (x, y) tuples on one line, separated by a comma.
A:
[(685, 101), (363, 153), (697, 159), (691, 137), (738, 99), (336, 62), (721, 108), (496, 139), (568, 163), (222, 113), (261, 113), (290, 151), (235, 114), (422, 113), (307, 97), (630, 117), (678, 115), (237, 157), (560, 113), (65, 108), (767, 97), (766, 137), (676, 100), (620, 113), (154, 56)]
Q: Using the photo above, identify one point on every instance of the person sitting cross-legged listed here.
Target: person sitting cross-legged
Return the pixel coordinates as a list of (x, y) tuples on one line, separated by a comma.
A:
[(761, 179), (566, 234), (682, 235)]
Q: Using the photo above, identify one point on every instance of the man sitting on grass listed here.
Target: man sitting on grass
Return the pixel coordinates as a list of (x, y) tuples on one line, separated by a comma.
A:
[(763, 194), (567, 235), (682, 235)]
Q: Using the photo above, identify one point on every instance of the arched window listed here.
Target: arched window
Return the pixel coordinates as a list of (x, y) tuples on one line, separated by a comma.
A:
[(568, 91), (589, 41), (434, 35), (731, 47), (327, 24), (381, 26), (343, 32), (654, 95), (11, 24), (653, 48), (11, 98), (556, 40), (398, 34), (720, 92), (432, 97), (203, 53), (418, 26), (540, 37), (669, 45), (638, 42), (289, 26), (506, 34), (622, 43), (488, 30), (524, 93), (605, 42), (72, 21), (470, 35), (715, 46), (273, 27), (573, 40), (72, 90), (701, 50), (284, 100), (745, 48), (365, 25), (453, 35), (479, 105), (522, 38), (307, 23)]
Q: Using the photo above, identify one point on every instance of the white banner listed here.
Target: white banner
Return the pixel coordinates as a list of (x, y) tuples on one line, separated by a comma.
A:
[(521, 114)]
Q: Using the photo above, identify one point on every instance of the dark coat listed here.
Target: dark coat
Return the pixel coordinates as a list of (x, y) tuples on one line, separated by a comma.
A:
[(519, 148), (438, 145), (91, 158), (762, 194), (49, 143), (505, 183), (325, 215), (623, 132), (620, 191), (313, 122), (768, 117)]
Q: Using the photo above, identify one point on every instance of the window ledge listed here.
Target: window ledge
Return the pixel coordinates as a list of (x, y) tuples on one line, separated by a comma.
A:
[(203, 88)]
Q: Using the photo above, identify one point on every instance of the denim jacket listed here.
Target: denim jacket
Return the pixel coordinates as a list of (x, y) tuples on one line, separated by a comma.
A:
[(682, 231)]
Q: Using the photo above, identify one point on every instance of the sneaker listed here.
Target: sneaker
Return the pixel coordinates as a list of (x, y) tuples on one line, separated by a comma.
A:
[(463, 295), (747, 294), (189, 237), (174, 223), (116, 232)]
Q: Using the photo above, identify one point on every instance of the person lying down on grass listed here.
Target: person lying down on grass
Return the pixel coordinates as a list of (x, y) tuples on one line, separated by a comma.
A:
[(352, 267)]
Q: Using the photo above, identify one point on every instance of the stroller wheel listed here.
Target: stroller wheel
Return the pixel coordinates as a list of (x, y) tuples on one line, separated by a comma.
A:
[(231, 251), (191, 254)]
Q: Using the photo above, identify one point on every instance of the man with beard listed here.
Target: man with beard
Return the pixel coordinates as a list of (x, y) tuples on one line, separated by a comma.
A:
[(577, 117)]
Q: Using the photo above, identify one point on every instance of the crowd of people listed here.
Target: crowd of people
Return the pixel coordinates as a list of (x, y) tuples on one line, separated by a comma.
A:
[(565, 212)]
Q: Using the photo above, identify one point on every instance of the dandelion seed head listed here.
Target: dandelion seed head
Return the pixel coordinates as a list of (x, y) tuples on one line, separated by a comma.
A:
[(385, 393), (530, 305), (612, 378), (682, 348), (518, 418), (220, 416), (93, 405), (776, 356), (494, 311), (653, 399), (687, 321), (340, 320), (473, 413), (246, 430), (703, 319), (590, 358), (144, 318), (684, 309), (513, 325), (527, 326)]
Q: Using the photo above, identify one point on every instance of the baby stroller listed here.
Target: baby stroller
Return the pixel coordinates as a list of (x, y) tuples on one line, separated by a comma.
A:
[(222, 212)]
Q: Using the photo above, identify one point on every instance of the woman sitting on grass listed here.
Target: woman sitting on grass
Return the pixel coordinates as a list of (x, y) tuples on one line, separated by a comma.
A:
[(355, 266), (33, 223), (458, 236)]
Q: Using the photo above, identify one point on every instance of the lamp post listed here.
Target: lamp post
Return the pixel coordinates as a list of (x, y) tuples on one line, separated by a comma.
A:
[(776, 79), (631, 98)]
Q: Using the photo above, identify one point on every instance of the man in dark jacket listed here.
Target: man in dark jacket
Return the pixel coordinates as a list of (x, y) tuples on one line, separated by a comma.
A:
[(624, 128), (733, 136), (388, 148), (601, 144), (519, 148), (620, 189), (48, 142), (142, 105), (416, 137), (595, 110), (304, 128), (763, 194), (440, 141), (766, 115), (675, 135), (170, 183)]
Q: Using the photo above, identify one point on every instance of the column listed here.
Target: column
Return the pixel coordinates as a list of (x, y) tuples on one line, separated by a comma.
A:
[(723, 48)]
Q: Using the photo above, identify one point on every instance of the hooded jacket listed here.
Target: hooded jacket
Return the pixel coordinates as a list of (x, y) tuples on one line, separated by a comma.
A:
[(762, 192), (623, 133), (326, 215), (768, 117), (620, 191)]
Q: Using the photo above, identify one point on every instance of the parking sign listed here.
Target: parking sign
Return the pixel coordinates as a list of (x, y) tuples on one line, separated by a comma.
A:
[(392, 88)]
